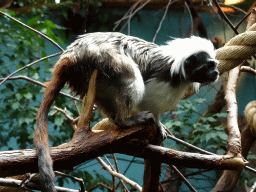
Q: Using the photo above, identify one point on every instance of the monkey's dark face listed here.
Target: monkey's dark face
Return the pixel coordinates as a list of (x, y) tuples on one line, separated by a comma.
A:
[(201, 68)]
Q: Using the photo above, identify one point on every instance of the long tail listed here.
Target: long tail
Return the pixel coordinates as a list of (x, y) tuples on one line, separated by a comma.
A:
[(58, 81)]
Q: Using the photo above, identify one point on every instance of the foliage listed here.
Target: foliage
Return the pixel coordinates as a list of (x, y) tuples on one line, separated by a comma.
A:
[(207, 132), (20, 46)]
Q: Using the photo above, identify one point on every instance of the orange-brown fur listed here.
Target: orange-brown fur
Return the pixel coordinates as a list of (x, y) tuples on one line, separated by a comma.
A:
[(41, 133)]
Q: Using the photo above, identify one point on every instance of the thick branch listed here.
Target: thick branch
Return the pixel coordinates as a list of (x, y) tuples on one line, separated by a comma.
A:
[(234, 139), (87, 145)]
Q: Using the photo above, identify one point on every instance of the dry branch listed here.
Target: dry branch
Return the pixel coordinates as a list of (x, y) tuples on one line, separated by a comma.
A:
[(14, 185), (86, 145), (120, 176), (234, 139)]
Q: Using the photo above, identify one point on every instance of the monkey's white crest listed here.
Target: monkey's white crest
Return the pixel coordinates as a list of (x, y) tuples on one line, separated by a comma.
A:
[(181, 49)]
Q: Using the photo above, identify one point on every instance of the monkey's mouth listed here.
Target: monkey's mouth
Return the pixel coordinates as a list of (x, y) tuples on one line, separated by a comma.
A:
[(206, 78)]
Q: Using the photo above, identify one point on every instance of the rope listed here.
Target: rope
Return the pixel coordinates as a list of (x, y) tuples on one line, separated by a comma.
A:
[(237, 50)]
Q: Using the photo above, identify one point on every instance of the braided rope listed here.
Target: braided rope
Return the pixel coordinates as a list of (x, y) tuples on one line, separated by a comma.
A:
[(237, 50)]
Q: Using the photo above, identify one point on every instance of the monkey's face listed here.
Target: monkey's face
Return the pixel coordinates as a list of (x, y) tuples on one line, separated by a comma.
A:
[(201, 68)]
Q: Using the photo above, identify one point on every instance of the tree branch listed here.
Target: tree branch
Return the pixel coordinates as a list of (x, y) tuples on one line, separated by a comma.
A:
[(34, 30), (14, 183), (40, 84), (28, 65)]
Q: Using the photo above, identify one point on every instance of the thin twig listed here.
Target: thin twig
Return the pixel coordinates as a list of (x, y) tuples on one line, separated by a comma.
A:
[(79, 180), (160, 24), (242, 20), (190, 15), (120, 176), (126, 16), (252, 189), (130, 163), (34, 30), (14, 183), (113, 177), (223, 15), (248, 70), (40, 84), (232, 6), (71, 120), (129, 17), (126, 189), (183, 178), (30, 64), (115, 160), (189, 145)]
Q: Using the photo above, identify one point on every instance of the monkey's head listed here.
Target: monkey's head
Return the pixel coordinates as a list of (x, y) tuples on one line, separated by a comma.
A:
[(201, 68), (193, 60)]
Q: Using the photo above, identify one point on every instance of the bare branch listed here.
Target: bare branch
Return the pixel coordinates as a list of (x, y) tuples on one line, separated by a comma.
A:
[(183, 178), (248, 70), (165, 13), (40, 84), (117, 169), (34, 30), (234, 140), (120, 176), (71, 120), (222, 14), (35, 62), (30, 185), (80, 181)]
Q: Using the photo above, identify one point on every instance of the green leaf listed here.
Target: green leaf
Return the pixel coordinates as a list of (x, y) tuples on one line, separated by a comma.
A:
[(15, 105), (59, 120), (221, 151), (50, 24), (177, 123), (223, 136), (32, 21), (211, 119), (28, 96), (29, 120), (199, 100), (18, 96), (221, 115), (210, 136)]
